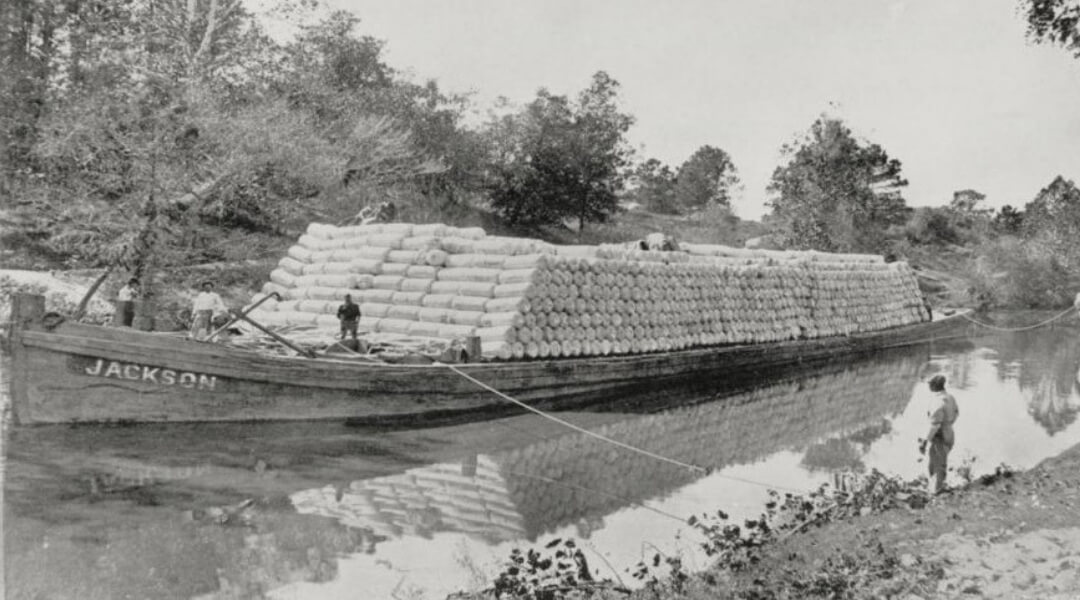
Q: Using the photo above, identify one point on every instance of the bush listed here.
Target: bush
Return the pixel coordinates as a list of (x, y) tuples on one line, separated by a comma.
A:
[(932, 226), (1015, 273)]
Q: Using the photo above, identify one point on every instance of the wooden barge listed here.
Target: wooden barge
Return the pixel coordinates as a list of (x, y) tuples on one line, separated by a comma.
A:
[(64, 372)]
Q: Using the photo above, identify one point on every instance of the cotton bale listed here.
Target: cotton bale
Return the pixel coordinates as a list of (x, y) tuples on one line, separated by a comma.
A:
[(283, 278), (392, 268), (497, 351), (469, 274), (422, 243), (424, 329), (386, 240), (485, 261), (389, 325), (369, 266), (316, 306), (465, 317), (387, 282), (335, 294), (375, 309), (451, 331), (403, 311), (488, 335), (498, 305), (434, 257), (471, 233), (509, 290), (271, 287), (476, 288), (416, 285), (456, 245), (383, 296), (422, 272), (438, 300), (503, 319), (471, 303)]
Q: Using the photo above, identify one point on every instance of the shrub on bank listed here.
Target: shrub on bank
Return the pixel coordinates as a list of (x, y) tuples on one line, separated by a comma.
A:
[(1015, 273)]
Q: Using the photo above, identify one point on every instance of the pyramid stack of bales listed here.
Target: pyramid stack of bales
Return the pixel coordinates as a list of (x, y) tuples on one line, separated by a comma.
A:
[(526, 298)]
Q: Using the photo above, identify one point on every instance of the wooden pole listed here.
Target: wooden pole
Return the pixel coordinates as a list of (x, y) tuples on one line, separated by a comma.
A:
[(81, 310), (303, 351), (273, 295), (26, 313)]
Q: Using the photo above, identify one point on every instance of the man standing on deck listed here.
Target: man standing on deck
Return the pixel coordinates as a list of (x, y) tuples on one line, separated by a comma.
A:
[(349, 315), (125, 303), (206, 304), (942, 413)]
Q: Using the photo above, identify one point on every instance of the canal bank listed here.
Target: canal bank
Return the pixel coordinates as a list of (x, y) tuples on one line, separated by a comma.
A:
[(1015, 536), (1010, 535)]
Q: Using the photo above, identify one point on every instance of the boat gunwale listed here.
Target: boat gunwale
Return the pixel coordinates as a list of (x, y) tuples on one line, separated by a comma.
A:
[(41, 339)]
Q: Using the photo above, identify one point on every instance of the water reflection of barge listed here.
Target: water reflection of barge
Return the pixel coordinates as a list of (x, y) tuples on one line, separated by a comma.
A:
[(80, 373), (524, 491)]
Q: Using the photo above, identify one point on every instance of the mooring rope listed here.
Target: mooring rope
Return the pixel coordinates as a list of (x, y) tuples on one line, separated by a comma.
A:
[(603, 438), (570, 425), (1026, 328)]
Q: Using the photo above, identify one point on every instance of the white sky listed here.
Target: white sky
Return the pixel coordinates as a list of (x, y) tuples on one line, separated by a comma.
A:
[(952, 89)]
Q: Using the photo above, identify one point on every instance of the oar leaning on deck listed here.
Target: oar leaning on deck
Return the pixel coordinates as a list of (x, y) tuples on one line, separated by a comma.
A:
[(246, 311), (303, 351)]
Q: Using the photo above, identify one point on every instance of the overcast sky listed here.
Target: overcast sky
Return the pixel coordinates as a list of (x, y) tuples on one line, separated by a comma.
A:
[(952, 89)]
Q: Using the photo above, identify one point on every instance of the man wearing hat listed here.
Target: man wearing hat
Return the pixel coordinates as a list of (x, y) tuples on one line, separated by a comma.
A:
[(205, 305), (125, 303), (942, 413)]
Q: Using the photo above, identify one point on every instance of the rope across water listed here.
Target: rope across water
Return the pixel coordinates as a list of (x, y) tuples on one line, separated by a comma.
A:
[(603, 438), (1056, 317)]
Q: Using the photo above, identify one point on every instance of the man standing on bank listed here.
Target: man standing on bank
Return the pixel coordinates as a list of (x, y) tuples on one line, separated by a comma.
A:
[(206, 304), (943, 413), (125, 303), (349, 315)]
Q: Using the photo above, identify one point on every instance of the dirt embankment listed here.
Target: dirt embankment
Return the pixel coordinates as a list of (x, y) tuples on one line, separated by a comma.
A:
[(1017, 537)]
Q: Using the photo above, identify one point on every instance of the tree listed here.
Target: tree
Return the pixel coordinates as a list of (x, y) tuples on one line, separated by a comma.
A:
[(560, 159), (1008, 220), (653, 185), (836, 193), (706, 178), (965, 201), (1052, 221), (1054, 22)]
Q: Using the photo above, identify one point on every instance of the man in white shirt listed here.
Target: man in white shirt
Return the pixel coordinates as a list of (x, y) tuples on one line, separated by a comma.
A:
[(125, 303), (203, 309), (942, 412)]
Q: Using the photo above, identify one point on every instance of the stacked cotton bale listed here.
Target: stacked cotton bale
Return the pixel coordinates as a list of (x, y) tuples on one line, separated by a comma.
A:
[(528, 299)]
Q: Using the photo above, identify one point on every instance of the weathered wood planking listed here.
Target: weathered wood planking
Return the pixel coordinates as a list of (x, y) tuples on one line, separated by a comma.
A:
[(75, 373)]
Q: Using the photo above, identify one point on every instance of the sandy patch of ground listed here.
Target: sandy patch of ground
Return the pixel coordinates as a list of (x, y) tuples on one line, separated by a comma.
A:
[(62, 291)]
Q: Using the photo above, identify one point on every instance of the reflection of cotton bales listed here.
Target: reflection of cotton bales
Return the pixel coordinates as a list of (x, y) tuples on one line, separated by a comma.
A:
[(554, 301), (578, 480), (470, 498)]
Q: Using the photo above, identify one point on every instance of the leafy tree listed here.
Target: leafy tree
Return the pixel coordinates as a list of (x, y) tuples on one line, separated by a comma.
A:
[(706, 178), (176, 119), (654, 187), (560, 159), (1052, 221), (836, 193), (1008, 220), (965, 201), (1054, 22)]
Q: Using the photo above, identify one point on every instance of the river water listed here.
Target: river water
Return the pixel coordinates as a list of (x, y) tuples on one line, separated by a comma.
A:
[(325, 510)]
